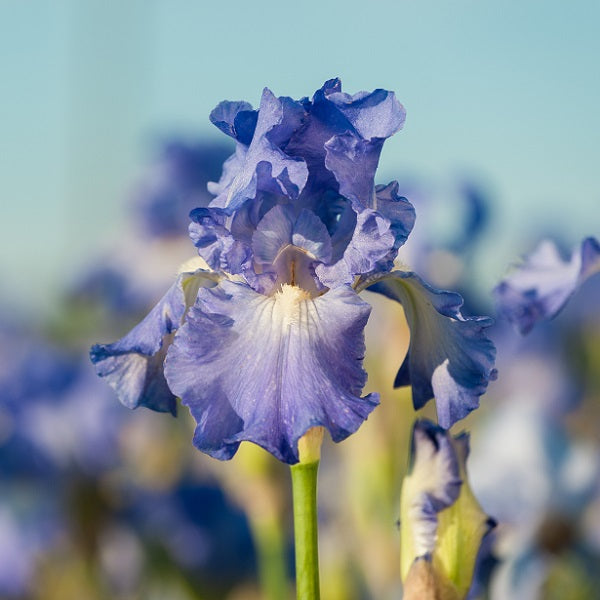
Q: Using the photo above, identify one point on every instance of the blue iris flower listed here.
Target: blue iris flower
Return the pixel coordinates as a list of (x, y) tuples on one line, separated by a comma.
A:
[(30, 524), (171, 186), (540, 287), (541, 483), (267, 342), (47, 431), (198, 528), (175, 184)]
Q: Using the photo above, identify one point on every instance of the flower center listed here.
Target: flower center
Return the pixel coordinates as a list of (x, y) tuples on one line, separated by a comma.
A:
[(293, 270), (287, 303)]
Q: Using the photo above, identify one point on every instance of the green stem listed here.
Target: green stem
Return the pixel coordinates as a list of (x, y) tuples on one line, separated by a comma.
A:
[(269, 542), (304, 491)]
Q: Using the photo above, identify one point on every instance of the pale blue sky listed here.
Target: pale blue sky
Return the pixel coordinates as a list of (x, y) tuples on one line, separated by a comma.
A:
[(506, 91)]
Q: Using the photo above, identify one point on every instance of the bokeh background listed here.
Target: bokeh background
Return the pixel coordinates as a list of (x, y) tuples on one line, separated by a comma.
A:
[(502, 106), (506, 92)]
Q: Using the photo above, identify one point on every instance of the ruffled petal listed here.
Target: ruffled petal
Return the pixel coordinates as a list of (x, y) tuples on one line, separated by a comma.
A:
[(373, 115), (209, 234), (231, 168), (449, 356), (376, 238), (341, 132), (354, 161), (541, 287), (236, 119), (397, 209), (133, 366), (371, 242), (216, 245), (270, 368), (277, 118), (314, 156)]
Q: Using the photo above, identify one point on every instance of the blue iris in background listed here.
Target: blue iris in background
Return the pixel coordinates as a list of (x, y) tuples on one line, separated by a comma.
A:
[(539, 288), (263, 337), (176, 184)]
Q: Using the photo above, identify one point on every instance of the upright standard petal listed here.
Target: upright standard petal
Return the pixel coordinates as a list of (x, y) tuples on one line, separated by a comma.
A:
[(397, 209), (543, 284), (133, 366), (270, 367), (449, 356), (341, 138), (374, 115), (236, 119), (354, 161), (277, 118)]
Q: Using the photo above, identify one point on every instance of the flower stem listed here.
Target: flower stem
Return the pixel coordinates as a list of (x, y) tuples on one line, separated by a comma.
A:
[(304, 491)]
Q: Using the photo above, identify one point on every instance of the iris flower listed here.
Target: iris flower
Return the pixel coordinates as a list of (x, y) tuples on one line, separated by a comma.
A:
[(541, 483), (266, 341), (175, 184), (540, 287)]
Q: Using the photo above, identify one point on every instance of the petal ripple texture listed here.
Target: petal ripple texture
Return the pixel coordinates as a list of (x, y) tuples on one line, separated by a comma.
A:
[(267, 369), (449, 356), (319, 155), (133, 366)]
